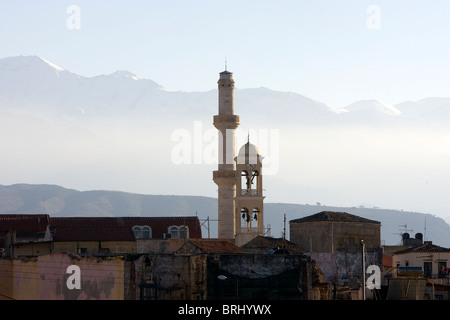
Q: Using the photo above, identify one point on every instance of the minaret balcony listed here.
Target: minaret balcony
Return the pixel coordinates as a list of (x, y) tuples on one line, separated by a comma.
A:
[(226, 121), (251, 192), (246, 229)]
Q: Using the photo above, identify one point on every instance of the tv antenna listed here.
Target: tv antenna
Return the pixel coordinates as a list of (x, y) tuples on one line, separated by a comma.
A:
[(404, 230)]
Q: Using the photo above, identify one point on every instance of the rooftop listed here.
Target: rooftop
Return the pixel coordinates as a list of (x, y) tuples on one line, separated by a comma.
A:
[(210, 246), (24, 223), (159, 225), (91, 233), (334, 216), (427, 246), (38, 223), (268, 243)]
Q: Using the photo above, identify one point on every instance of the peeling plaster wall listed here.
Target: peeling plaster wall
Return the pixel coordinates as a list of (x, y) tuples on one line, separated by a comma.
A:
[(177, 277), (6, 285), (257, 276), (45, 278), (343, 265), (159, 245)]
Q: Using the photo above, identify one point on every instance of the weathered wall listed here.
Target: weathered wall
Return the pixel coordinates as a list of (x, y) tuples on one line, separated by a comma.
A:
[(339, 267), (255, 276), (174, 277), (326, 236), (159, 245), (93, 247), (31, 249), (45, 277), (6, 274)]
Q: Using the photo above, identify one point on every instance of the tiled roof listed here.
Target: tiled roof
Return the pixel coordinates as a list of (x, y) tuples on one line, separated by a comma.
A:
[(334, 216), (35, 223), (91, 233), (213, 246), (159, 225), (426, 247), (24, 223), (271, 243)]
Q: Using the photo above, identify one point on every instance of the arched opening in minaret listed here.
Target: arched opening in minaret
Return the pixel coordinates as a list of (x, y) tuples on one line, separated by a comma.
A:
[(246, 218), (255, 214), (254, 181), (245, 182)]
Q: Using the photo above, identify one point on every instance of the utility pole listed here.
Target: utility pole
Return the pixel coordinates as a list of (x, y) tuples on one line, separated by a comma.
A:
[(207, 220), (284, 233), (363, 262)]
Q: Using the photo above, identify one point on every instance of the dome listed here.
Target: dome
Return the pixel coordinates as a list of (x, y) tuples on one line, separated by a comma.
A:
[(247, 150)]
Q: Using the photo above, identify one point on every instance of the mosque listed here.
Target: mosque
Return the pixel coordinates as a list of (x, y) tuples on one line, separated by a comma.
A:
[(239, 178)]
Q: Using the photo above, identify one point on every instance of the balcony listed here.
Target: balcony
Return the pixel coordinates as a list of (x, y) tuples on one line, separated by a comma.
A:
[(250, 192), (250, 230)]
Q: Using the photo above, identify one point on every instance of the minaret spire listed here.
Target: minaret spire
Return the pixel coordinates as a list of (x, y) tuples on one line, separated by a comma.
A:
[(225, 176)]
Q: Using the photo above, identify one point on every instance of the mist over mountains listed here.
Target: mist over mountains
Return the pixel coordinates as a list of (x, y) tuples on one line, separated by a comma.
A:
[(62, 202), (116, 132)]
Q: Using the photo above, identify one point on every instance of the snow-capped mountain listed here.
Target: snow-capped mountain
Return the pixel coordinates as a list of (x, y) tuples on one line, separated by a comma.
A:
[(33, 85), (372, 106)]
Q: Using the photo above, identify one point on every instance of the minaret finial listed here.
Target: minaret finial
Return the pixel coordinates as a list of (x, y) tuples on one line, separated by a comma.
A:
[(248, 137), (225, 63)]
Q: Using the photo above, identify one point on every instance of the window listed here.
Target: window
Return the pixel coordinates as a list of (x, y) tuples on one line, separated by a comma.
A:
[(442, 269), (146, 232), (427, 269), (173, 232), (142, 232), (137, 232), (179, 231), (183, 232)]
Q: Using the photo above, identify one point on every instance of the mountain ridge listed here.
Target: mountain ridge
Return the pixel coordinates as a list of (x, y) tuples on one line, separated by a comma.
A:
[(59, 201), (121, 131), (59, 89)]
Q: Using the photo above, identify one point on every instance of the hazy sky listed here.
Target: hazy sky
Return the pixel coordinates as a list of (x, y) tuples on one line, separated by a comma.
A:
[(335, 52)]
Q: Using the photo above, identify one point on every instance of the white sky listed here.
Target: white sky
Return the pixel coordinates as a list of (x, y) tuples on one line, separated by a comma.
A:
[(322, 49)]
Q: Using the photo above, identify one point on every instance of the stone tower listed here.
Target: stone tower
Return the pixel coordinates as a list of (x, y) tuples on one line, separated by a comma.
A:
[(249, 210), (225, 177)]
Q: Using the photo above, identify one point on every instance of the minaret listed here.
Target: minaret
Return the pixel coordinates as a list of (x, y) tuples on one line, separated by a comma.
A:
[(225, 177)]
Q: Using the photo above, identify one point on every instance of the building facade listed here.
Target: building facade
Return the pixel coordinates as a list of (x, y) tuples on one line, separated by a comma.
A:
[(335, 240)]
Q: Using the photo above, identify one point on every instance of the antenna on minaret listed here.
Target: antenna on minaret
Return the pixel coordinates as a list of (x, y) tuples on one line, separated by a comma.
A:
[(225, 63)]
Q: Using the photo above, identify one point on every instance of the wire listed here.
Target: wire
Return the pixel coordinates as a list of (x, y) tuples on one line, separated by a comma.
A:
[(8, 297)]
